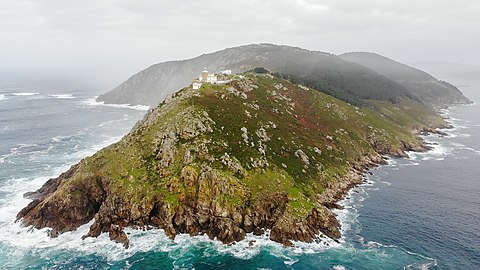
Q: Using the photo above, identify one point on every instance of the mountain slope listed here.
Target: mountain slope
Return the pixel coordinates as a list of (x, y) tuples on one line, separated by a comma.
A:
[(260, 153), (421, 84), (345, 80)]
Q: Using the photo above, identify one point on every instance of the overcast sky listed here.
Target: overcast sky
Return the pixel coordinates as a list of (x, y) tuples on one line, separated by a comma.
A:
[(109, 40)]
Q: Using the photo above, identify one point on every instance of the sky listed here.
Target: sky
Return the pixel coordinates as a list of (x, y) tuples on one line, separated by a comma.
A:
[(106, 41)]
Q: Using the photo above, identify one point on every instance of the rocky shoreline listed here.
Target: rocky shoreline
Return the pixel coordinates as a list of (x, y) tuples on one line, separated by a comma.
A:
[(111, 216), (190, 170), (339, 189)]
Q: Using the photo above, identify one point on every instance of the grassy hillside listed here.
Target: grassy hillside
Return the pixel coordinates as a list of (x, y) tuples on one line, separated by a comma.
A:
[(259, 153)]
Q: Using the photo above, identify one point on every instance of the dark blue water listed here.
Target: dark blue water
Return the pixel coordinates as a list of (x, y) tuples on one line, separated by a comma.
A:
[(420, 213), (432, 203)]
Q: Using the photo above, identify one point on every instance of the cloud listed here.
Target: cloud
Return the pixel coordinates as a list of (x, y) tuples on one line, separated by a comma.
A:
[(120, 37)]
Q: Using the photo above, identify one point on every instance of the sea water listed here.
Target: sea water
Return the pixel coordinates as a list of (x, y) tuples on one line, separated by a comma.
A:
[(416, 213)]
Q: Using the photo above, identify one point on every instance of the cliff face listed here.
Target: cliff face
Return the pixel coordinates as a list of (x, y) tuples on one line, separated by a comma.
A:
[(423, 85), (260, 153), (345, 80)]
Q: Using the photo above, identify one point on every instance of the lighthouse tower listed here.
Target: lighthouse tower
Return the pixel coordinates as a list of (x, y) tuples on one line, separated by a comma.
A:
[(205, 75)]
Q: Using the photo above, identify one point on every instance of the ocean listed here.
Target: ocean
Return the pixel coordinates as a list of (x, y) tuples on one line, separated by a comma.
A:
[(417, 213)]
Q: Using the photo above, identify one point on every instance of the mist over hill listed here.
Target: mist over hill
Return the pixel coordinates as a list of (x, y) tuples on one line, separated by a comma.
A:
[(421, 84), (459, 74), (323, 71)]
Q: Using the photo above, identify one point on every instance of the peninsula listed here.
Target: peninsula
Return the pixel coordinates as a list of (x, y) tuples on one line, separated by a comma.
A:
[(258, 152)]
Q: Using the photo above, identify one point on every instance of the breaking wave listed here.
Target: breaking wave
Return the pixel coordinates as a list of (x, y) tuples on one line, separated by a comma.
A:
[(94, 102), (63, 96), (25, 94)]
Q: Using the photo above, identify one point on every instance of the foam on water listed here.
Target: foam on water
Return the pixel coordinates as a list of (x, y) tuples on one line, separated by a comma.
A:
[(459, 146), (17, 150), (2, 97), (63, 96), (93, 102), (439, 152), (22, 240), (26, 94)]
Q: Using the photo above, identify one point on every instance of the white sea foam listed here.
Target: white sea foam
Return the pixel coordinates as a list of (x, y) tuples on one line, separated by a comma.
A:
[(438, 152), (410, 164), (93, 102), (391, 162), (26, 94), (339, 267), (59, 138), (457, 135), (24, 239), (460, 146), (15, 151), (464, 135), (63, 96), (2, 97)]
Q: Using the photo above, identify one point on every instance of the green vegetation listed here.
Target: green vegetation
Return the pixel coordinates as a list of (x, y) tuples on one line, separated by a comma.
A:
[(260, 135)]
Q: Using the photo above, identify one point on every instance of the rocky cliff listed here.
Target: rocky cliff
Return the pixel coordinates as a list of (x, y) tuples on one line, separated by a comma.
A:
[(226, 160)]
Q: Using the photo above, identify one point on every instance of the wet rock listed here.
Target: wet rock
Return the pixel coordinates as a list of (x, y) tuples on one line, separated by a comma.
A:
[(66, 213), (258, 231), (50, 186), (117, 235), (332, 205), (53, 233)]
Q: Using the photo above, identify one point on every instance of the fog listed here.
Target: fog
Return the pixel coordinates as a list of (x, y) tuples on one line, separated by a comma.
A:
[(103, 42)]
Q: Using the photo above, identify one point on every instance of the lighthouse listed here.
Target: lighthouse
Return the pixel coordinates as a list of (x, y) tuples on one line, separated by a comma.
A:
[(204, 75)]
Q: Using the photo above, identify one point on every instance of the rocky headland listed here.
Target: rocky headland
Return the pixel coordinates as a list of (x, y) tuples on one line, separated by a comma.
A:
[(259, 153)]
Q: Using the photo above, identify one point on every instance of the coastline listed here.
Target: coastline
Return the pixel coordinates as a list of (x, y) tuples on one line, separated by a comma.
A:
[(357, 176), (317, 223), (189, 204), (145, 243), (268, 216), (350, 199), (155, 240)]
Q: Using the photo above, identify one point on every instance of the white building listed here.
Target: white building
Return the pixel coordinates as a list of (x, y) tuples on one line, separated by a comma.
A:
[(212, 78), (206, 77), (196, 85)]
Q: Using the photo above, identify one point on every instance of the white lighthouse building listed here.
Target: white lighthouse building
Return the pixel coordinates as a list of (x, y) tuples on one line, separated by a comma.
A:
[(207, 77)]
